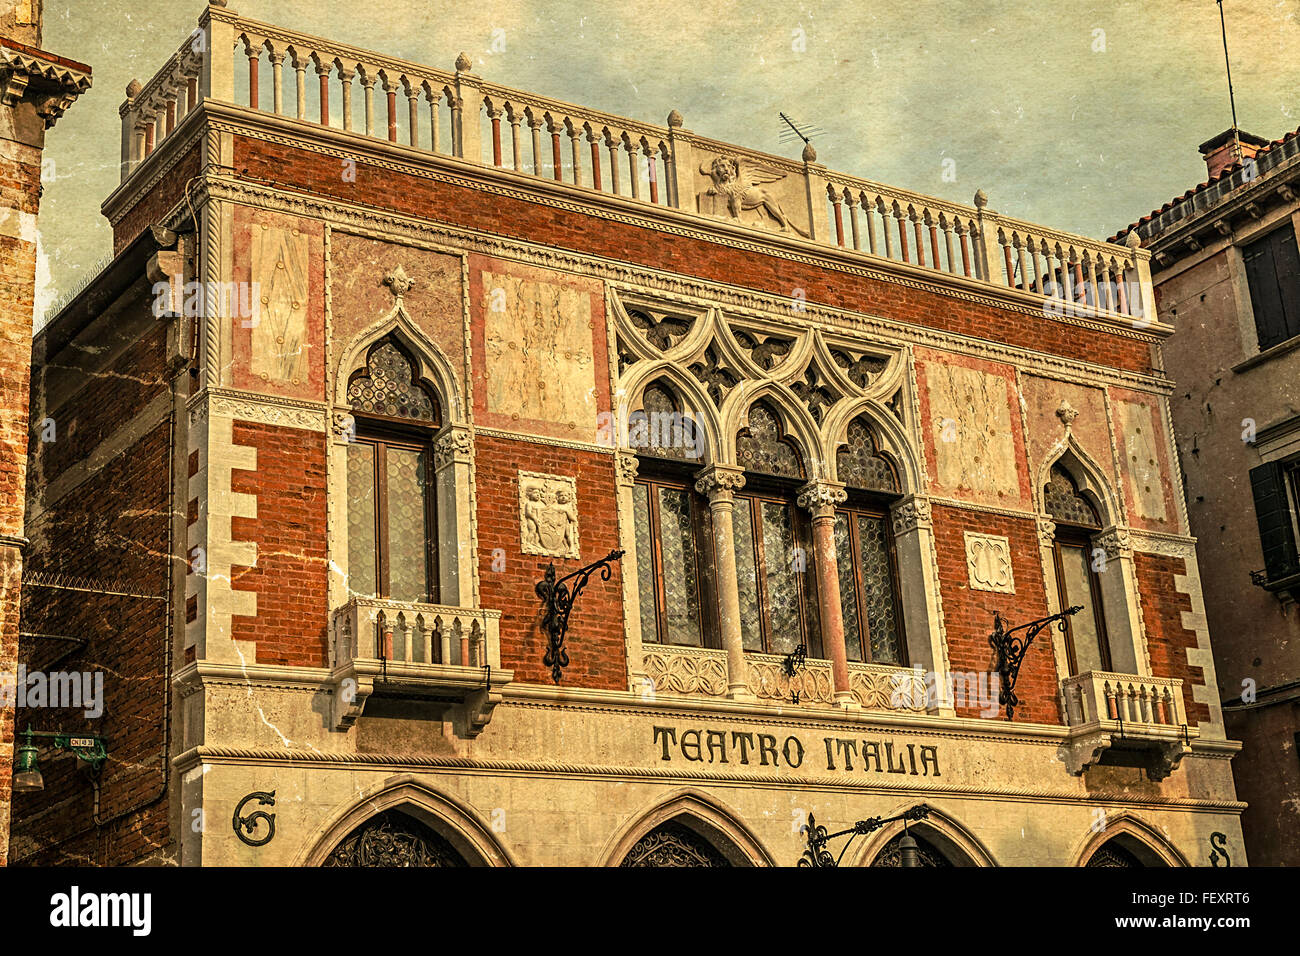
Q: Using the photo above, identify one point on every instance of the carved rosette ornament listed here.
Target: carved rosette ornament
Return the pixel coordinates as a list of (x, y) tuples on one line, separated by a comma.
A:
[(455, 446), (719, 483), (821, 497), (910, 514)]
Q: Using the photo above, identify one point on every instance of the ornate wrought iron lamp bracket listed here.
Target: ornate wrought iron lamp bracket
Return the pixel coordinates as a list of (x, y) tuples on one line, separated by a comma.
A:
[(816, 853), (558, 598), (1011, 651)]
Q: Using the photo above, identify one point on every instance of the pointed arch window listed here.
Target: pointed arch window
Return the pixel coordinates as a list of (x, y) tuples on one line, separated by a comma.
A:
[(864, 551), (392, 519), (1077, 573), (778, 601), (671, 524)]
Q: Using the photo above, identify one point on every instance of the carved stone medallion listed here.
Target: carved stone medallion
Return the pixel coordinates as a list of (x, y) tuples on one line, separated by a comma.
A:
[(988, 559)]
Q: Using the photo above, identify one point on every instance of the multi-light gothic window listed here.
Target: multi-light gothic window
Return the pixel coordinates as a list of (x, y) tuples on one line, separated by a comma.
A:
[(1077, 578), (778, 606), (391, 514), (671, 524), (864, 552)]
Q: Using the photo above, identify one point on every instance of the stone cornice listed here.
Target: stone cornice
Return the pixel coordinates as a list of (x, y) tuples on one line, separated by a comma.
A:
[(238, 756)]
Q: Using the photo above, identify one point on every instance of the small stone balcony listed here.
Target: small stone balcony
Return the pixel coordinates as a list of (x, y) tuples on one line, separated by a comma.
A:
[(1125, 720), (446, 655)]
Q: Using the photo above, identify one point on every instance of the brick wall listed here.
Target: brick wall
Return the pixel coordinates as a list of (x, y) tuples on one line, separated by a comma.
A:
[(1167, 640), (290, 577), (596, 644), (384, 188), (968, 613)]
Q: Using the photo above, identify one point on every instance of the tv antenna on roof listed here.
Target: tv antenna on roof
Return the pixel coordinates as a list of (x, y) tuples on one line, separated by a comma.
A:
[(802, 130), (1236, 137)]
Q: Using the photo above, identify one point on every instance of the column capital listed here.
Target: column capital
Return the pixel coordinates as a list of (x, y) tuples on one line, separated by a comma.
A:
[(455, 446), (625, 467), (1046, 531), (1115, 541), (720, 481), (911, 513), (821, 496)]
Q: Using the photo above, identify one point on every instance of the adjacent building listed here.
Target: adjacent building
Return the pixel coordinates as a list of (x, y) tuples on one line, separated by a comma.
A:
[(36, 87), (1227, 280), (385, 347)]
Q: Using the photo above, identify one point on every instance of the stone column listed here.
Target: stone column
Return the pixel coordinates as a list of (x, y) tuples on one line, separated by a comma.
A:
[(820, 498), (720, 484), (625, 468)]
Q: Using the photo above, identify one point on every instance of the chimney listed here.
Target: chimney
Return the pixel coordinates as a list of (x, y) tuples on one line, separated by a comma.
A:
[(1221, 151)]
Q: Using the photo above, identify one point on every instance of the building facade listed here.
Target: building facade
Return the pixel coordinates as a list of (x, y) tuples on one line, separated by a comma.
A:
[(1228, 280), (383, 344), (36, 87)]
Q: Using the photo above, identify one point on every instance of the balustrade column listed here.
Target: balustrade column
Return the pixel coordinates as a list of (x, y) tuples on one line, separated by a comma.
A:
[(345, 84), (719, 483), (820, 498), (277, 81)]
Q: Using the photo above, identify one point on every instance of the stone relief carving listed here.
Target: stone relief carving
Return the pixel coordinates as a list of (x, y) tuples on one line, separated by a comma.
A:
[(457, 443), (738, 188), (911, 514), (988, 560), (686, 673), (548, 514)]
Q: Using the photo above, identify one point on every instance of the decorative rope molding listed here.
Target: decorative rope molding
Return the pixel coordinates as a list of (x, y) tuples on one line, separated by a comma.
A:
[(397, 761)]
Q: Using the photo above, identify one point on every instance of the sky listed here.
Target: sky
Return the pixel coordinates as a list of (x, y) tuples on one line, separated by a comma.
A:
[(1083, 116)]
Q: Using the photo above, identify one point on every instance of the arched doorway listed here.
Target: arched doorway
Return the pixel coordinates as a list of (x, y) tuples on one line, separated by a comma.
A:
[(927, 854), (1114, 854), (673, 844), (394, 839)]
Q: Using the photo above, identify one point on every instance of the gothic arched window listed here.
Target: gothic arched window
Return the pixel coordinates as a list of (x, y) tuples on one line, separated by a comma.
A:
[(775, 577), (392, 526), (927, 854), (864, 551), (671, 845), (1077, 572), (671, 524), (393, 838)]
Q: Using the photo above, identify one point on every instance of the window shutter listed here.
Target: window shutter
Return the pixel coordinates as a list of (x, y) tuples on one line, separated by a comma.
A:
[(1273, 512), (1287, 261), (1265, 293)]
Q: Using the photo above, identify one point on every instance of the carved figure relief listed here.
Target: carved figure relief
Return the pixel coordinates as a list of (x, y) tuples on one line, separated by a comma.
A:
[(988, 560), (548, 514), (539, 352), (279, 322), (738, 188)]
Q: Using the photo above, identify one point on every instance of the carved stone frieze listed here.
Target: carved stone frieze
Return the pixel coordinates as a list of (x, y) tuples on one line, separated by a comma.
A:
[(685, 673)]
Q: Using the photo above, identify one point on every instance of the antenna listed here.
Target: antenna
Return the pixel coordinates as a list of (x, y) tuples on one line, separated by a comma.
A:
[(1236, 137), (802, 130)]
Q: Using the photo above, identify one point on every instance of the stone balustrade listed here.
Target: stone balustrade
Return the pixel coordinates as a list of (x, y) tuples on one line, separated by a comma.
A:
[(421, 650), (247, 63), (1125, 712)]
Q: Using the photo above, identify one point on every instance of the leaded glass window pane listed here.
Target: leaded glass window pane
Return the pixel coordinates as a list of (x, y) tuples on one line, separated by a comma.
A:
[(859, 463), (751, 623), (659, 428), (1084, 633), (878, 588), (680, 569), (783, 560), (761, 447), (362, 518), (848, 587), (645, 567), (408, 545), (387, 386), (1065, 503)]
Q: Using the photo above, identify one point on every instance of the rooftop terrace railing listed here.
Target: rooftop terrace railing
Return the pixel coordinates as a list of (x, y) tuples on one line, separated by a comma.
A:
[(457, 113)]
